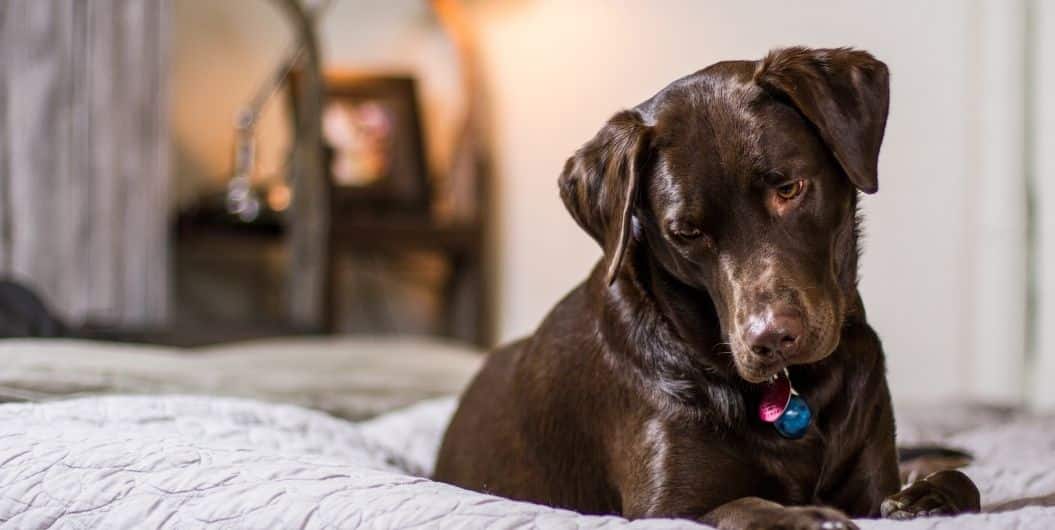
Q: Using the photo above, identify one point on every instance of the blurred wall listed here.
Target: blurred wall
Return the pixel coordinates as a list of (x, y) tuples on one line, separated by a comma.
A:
[(943, 272), (221, 51), (224, 51), (1042, 157)]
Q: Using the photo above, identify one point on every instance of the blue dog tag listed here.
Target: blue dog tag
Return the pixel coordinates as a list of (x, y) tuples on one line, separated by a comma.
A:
[(795, 420)]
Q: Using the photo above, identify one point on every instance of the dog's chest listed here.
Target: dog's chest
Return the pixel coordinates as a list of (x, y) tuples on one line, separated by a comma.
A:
[(791, 470)]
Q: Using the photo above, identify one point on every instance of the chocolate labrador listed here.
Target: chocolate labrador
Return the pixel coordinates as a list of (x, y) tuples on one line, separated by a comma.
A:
[(717, 364)]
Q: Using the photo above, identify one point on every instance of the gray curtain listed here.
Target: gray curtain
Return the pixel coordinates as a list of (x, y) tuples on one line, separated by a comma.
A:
[(84, 175)]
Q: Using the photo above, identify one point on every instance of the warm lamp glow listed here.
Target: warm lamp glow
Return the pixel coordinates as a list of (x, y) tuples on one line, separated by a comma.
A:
[(278, 197)]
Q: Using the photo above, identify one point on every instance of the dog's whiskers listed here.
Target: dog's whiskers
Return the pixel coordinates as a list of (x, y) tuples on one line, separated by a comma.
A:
[(723, 348)]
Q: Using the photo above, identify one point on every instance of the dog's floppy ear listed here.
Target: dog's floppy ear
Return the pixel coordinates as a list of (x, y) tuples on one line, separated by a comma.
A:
[(600, 182), (845, 93)]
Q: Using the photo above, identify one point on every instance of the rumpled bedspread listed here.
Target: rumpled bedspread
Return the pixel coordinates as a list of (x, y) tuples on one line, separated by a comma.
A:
[(206, 462)]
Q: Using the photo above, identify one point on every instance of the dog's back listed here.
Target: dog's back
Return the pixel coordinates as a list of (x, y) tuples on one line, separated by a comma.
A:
[(519, 432), (480, 435)]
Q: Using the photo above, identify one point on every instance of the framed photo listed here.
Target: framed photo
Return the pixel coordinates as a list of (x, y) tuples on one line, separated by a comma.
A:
[(375, 152)]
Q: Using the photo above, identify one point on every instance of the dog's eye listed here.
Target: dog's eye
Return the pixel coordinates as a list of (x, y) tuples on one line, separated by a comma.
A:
[(791, 189)]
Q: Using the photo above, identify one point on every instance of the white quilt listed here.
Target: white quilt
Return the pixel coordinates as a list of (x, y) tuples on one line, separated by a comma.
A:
[(205, 462)]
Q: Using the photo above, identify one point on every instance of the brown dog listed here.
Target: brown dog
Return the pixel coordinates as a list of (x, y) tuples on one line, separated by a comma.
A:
[(726, 206)]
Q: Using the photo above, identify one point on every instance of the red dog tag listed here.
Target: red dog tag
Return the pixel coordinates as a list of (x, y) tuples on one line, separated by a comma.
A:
[(775, 398)]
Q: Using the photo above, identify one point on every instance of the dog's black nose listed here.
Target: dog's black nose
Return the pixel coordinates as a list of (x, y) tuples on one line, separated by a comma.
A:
[(775, 332)]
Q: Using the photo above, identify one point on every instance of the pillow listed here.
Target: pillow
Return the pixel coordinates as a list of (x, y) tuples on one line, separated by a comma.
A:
[(349, 377)]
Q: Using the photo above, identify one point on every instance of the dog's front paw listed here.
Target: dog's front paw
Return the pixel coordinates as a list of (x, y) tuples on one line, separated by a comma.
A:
[(943, 493), (804, 518)]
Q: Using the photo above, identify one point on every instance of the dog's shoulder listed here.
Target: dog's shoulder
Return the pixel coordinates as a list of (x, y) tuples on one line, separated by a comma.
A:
[(571, 328)]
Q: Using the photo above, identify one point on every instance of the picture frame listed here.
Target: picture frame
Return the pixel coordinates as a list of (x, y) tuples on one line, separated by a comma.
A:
[(373, 136)]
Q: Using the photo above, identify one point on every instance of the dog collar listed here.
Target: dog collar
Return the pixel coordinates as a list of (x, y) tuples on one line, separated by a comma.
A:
[(782, 406)]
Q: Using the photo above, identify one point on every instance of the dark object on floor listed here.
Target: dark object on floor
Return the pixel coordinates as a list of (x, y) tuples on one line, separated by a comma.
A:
[(920, 461), (917, 452), (726, 207), (23, 314)]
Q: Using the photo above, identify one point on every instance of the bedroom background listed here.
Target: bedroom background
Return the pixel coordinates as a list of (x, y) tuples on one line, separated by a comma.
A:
[(117, 138)]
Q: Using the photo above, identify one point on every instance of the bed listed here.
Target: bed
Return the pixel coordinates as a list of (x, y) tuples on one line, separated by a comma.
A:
[(252, 461), (348, 377)]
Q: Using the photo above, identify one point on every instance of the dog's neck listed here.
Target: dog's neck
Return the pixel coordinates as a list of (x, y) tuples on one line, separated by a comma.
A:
[(671, 336)]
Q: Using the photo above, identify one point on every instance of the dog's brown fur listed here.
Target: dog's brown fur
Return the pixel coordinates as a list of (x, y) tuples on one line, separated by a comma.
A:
[(727, 209)]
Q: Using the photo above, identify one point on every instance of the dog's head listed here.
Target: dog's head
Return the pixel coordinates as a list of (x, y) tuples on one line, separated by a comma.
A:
[(740, 181)]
